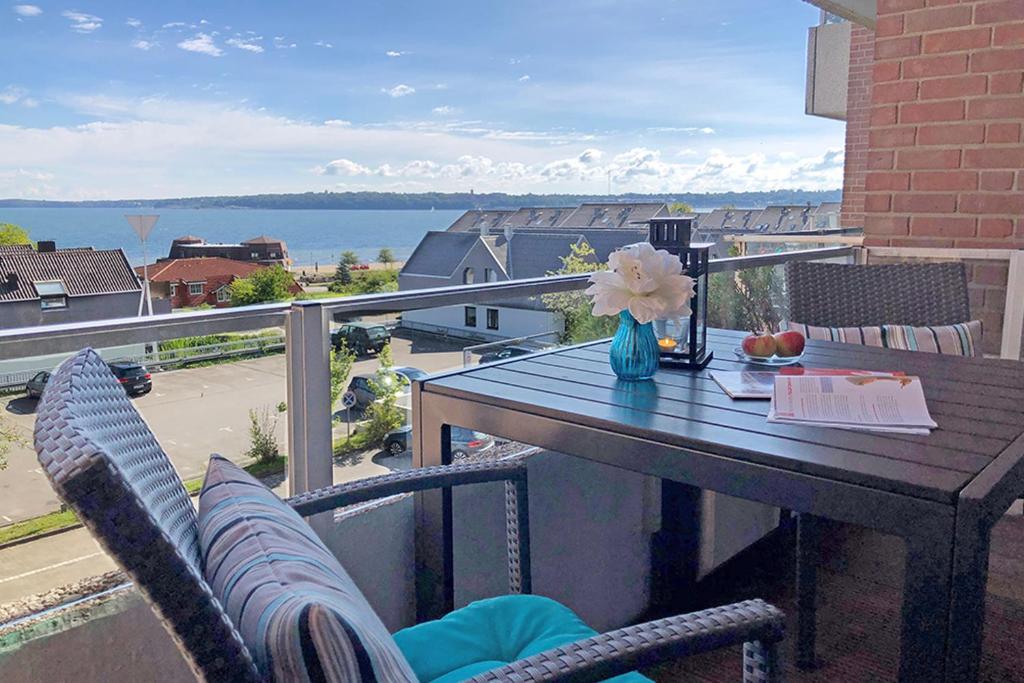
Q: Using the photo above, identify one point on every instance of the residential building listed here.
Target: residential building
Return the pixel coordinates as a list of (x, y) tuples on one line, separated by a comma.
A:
[(454, 258), (188, 282), (590, 215), (46, 285), (267, 251)]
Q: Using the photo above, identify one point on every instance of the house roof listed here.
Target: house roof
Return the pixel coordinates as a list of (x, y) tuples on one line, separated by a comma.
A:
[(535, 254), (439, 252), (474, 219), (199, 269), (189, 238), (14, 248), (613, 214), (605, 242), (263, 239), (83, 272), (537, 217)]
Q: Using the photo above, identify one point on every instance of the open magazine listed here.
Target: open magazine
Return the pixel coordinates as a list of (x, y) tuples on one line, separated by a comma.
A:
[(874, 402), (760, 384)]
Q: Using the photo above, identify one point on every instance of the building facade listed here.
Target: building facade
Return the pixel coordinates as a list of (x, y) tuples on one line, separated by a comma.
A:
[(190, 282), (267, 251)]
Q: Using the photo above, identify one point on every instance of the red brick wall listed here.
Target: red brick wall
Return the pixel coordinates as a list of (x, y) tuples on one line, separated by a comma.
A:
[(945, 147), (858, 110)]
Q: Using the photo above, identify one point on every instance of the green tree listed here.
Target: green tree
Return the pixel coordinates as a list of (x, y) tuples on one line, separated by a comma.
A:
[(266, 284), (384, 415), (341, 365), (263, 445), (748, 299), (680, 208), (580, 324), (349, 258), (386, 256), (11, 234), (342, 274)]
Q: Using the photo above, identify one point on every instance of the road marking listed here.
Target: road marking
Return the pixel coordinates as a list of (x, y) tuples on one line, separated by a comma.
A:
[(226, 429), (52, 566), (171, 441), (7, 518)]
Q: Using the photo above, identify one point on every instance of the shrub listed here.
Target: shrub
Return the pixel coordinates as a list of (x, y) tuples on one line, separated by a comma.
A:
[(263, 446)]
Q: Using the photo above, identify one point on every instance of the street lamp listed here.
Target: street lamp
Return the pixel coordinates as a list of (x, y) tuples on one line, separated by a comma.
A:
[(143, 225)]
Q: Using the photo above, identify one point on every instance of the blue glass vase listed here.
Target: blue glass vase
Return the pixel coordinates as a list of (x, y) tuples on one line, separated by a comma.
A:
[(634, 352)]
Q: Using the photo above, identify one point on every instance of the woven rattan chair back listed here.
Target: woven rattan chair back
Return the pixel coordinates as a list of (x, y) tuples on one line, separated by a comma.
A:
[(842, 295), (107, 466)]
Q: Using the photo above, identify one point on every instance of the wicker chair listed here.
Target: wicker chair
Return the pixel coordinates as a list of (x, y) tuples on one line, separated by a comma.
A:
[(106, 464), (842, 295)]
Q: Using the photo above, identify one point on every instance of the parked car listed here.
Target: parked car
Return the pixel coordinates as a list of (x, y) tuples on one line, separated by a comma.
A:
[(504, 353), (465, 442), (135, 379), (361, 386), (361, 338), (34, 387)]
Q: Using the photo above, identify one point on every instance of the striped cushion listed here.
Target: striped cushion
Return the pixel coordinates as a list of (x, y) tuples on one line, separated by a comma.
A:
[(297, 609), (962, 339)]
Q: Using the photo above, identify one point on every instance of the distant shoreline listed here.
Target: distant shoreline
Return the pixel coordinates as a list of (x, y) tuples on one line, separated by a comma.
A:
[(461, 201)]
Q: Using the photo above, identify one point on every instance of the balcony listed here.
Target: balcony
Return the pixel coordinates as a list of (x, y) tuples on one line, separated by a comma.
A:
[(579, 509)]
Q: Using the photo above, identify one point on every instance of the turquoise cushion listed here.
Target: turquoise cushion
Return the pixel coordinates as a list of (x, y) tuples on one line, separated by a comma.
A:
[(491, 633)]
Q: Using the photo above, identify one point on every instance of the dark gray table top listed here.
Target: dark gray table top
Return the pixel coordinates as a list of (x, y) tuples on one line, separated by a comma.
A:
[(978, 404)]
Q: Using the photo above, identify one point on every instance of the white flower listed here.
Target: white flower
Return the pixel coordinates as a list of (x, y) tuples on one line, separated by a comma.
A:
[(647, 282)]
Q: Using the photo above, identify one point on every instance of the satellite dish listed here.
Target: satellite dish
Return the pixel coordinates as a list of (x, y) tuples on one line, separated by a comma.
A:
[(142, 225)]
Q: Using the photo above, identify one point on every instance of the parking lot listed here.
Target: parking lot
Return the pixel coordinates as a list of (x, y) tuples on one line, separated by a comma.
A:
[(198, 411)]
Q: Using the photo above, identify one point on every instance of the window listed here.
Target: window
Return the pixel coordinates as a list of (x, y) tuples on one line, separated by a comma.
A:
[(470, 316), (490, 275), (492, 318), (467, 276), (254, 255), (51, 294), (174, 289), (223, 296), (195, 288)]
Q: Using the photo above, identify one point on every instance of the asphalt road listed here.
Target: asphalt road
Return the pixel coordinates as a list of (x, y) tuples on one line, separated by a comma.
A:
[(193, 413)]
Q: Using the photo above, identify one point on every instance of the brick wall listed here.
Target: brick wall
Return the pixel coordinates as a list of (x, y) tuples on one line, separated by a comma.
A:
[(858, 111), (945, 147)]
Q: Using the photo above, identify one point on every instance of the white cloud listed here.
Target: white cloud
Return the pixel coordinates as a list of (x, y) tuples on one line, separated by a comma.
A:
[(133, 22), (175, 24), (706, 131), (27, 10), (400, 90), (342, 167), (14, 95), (590, 156), (524, 78), (281, 44), (247, 44), (143, 44), (323, 43), (202, 43), (396, 53), (337, 123), (444, 110), (82, 22)]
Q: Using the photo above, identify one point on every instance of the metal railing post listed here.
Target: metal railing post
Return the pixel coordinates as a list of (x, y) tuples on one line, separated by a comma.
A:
[(309, 398)]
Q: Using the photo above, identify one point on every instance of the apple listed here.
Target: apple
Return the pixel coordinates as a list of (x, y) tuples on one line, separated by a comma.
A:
[(759, 345), (789, 344)]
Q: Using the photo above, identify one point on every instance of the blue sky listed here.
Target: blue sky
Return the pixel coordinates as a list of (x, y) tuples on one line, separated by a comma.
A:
[(119, 99)]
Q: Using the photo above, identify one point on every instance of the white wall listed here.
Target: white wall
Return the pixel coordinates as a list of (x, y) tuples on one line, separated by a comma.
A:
[(512, 322)]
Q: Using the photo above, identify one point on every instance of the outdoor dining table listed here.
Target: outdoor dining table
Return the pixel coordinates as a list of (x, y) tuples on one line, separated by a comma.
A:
[(941, 493)]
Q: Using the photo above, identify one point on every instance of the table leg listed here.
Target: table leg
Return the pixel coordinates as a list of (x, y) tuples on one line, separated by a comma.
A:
[(808, 553), (967, 604), (435, 586), (925, 614), (675, 549)]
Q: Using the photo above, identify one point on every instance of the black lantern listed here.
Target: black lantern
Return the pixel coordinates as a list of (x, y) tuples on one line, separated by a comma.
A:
[(683, 341)]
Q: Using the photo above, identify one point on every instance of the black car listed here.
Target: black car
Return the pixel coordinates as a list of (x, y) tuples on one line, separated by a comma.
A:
[(465, 442), (135, 379), (361, 338), (504, 353)]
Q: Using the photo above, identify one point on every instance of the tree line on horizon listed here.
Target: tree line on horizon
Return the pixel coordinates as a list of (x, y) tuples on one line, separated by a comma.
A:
[(440, 200)]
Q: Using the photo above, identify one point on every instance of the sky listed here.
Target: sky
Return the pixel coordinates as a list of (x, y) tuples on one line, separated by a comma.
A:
[(114, 100)]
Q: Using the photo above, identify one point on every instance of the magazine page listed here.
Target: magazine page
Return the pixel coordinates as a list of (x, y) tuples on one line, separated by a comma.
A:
[(851, 400)]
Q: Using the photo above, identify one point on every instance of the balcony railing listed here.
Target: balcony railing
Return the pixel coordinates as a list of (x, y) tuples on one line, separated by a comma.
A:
[(307, 345)]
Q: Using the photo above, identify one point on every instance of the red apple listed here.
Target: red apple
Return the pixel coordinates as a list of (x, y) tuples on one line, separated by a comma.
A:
[(759, 345), (789, 344)]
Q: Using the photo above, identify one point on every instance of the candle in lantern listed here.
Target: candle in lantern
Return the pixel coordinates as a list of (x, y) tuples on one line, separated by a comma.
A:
[(667, 343)]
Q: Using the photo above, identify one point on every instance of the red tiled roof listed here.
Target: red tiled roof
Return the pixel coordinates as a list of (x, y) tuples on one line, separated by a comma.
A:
[(82, 271), (198, 269)]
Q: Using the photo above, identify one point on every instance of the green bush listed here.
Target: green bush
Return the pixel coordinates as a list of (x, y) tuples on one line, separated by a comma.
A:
[(263, 446)]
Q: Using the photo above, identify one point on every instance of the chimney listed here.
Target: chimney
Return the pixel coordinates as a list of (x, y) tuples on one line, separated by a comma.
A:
[(508, 232), (46, 246), (485, 229), (12, 281)]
